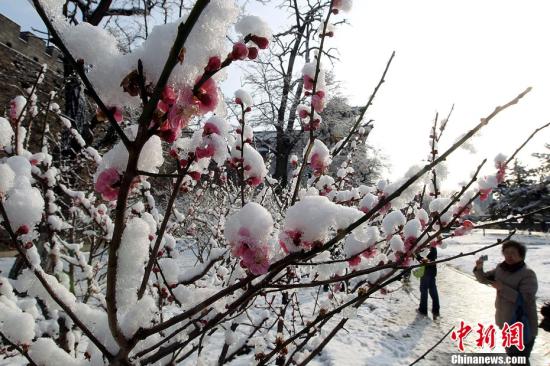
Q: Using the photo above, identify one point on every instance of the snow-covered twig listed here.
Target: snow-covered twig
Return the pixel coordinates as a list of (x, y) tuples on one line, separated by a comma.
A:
[(365, 108), (19, 349), (433, 347), (80, 70)]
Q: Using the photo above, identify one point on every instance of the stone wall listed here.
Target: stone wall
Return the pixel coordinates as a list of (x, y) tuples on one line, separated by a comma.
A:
[(22, 54)]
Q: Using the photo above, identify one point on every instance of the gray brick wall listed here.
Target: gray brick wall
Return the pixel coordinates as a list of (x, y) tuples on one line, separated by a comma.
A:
[(22, 54)]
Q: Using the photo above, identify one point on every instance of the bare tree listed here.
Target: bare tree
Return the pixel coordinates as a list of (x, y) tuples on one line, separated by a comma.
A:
[(277, 79)]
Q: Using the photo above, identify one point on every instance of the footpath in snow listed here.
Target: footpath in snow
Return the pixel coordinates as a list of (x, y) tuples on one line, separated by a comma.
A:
[(389, 331)]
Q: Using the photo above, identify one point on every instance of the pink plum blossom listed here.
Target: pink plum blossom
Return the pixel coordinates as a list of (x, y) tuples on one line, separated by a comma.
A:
[(252, 53), (117, 114), (240, 51), (214, 64), (261, 42), (116, 111), (162, 107), (318, 101), (370, 252), (254, 181), (308, 82), (466, 227), (207, 97), (205, 151), (256, 259), (354, 261), (409, 243), (107, 184), (169, 95), (484, 194), (317, 163), (210, 128)]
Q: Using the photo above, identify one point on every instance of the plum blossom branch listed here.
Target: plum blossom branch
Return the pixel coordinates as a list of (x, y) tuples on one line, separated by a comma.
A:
[(19, 349), (81, 72), (174, 57), (512, 218), (411, 180), (162, 229), (325, 341), (39, 274), (312, 109), (433, 347), (365, 108), (525, 142)]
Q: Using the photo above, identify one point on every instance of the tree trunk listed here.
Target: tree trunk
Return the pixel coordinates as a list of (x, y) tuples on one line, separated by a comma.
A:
[(75, 105), (282, 158)]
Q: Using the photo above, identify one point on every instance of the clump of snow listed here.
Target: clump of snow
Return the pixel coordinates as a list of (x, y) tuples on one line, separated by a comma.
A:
[(487, 182), (253, 25), (255, 218), (325, 183), (408, 194), (170, 269), (422, 216), (254, 166), (309, 222), (360, 240), (7, 177), (343, 5), (132, 254), (24, 204), (6, 133), (439, 204), (139, 315), (396, 243), (319, 158), (245, 98), (16, 325), (308, 72), (412, 229), (110, 66), (44, 351), (29, 283), (150, 159), (392, 221), (368, 202), (248, 231), (210, 142), (17, 105), (20, 166)]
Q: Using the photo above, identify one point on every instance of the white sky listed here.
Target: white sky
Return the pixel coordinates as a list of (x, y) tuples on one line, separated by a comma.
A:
[(476, 54)]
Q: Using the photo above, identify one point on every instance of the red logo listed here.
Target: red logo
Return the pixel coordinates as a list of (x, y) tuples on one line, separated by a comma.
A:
[(512, 335)]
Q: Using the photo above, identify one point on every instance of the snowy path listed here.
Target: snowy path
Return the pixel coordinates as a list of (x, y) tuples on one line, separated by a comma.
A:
[(396, 335)]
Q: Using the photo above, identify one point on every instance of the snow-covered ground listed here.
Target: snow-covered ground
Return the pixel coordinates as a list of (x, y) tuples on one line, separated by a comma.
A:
[(387, 329), (5, 266)]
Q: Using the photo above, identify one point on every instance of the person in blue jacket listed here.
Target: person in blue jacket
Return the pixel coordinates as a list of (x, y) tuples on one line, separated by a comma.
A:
[(428, 284)]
